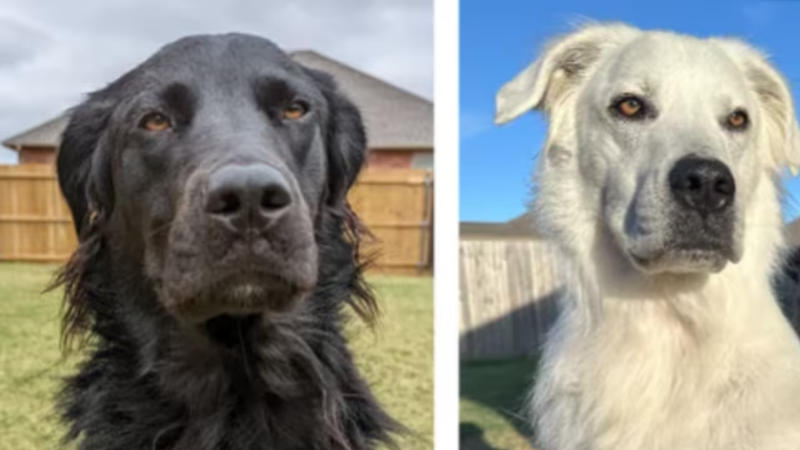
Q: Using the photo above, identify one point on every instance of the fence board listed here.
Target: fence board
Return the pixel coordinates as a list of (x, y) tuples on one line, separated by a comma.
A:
[(508, 291), (396, 205)]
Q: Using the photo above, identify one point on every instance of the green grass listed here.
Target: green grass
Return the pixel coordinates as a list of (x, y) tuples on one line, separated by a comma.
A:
[(397, 359), (30, 360), (492, 404)]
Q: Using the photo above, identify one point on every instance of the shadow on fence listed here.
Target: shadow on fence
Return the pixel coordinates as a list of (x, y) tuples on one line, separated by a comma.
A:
[(519, 332), (507, 296)]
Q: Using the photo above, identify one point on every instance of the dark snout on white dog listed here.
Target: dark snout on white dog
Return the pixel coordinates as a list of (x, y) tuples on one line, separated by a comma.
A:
[(703, 185), (702, 221)]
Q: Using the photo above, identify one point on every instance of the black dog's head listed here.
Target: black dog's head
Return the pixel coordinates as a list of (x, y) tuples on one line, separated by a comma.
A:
[(209, 168)]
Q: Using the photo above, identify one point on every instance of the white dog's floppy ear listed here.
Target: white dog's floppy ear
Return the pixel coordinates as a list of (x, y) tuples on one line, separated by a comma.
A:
[(780, 123), (562, 64)]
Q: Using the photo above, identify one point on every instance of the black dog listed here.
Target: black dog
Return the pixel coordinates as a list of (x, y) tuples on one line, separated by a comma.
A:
[(216, 254)]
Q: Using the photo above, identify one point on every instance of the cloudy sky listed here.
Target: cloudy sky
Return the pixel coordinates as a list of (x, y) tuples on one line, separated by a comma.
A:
[(53, 52)]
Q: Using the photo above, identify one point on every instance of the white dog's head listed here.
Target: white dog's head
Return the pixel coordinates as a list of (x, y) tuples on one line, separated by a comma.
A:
[(659, 140)]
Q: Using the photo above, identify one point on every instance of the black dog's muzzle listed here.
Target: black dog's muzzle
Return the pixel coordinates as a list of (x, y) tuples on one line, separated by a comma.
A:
[(248, 197)]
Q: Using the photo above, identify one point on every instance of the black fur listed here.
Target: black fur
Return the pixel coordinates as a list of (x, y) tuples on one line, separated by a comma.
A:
[(153, 381)]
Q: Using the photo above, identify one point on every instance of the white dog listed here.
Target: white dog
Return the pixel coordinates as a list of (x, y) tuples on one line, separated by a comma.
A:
[(659, 182)]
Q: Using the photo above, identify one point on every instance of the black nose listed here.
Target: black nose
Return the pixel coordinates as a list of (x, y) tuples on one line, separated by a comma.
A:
[(704, 185), (247, 196)]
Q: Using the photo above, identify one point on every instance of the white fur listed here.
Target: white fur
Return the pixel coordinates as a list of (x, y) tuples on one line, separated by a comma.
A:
[(685, 356)]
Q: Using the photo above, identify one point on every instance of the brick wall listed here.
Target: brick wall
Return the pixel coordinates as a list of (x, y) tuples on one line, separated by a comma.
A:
[(400, 158), (389, 159), (37, 155)]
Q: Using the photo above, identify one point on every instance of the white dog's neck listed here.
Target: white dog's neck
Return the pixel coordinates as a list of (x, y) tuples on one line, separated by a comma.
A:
[(627, 364)]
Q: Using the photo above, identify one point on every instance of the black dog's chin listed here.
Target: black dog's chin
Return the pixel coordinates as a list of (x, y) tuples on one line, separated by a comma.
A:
[(236, 296)]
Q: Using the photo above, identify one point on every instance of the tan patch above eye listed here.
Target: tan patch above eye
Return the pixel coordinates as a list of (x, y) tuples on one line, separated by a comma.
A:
[(737, 119), (629, 107), (156, 122), (294, 111)]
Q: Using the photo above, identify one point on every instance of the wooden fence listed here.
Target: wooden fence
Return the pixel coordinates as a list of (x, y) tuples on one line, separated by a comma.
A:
[(35, 223), (396, 205), (508, 290)]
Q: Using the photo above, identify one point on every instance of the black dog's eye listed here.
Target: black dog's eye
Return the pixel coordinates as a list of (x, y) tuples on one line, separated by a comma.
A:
[(295, 110), (630, 107), (737, 120), (155, 121)]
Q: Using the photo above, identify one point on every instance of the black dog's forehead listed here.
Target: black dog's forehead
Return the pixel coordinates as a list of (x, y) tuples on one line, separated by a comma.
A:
[(221, 49), (210, 42), (219, 61)]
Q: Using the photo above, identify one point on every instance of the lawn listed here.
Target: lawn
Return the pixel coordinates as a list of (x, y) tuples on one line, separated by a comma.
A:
[(397, 359), (492, 404)]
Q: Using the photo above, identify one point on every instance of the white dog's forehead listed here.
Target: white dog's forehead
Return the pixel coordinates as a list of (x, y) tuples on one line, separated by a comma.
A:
[(674, 66)]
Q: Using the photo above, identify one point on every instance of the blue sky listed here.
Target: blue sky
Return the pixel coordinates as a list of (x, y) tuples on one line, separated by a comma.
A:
[(500, 38)]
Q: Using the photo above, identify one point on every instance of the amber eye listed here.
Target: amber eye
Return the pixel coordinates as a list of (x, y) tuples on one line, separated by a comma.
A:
[(737, 120), (630, 106), (295, 110), (155, 122)]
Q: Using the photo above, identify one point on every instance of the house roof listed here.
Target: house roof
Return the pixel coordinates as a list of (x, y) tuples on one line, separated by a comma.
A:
[(47, 134), (792, 232), (521, 226), (394, 118)]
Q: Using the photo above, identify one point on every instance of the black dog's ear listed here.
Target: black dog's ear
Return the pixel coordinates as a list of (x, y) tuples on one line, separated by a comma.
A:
[(84, 177), (345, 138), (346, 143), (81, 167)]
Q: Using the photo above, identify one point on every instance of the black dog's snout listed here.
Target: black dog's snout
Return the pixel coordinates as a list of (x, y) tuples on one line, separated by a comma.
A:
[(248, 195), (704, 185)]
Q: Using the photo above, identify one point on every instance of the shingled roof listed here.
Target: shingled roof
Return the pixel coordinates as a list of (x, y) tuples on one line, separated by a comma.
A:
[(394, 118), (47, 134), (792, 233)]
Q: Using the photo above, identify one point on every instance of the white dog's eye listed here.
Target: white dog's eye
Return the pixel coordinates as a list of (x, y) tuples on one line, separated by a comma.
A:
[(629, 107), (737, 120)]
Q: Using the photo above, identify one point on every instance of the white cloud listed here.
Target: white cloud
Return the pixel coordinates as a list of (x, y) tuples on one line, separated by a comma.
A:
[(52, 53), (474, 123)]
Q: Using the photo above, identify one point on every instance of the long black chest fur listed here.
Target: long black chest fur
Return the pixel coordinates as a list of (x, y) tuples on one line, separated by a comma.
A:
[(283, 384)]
